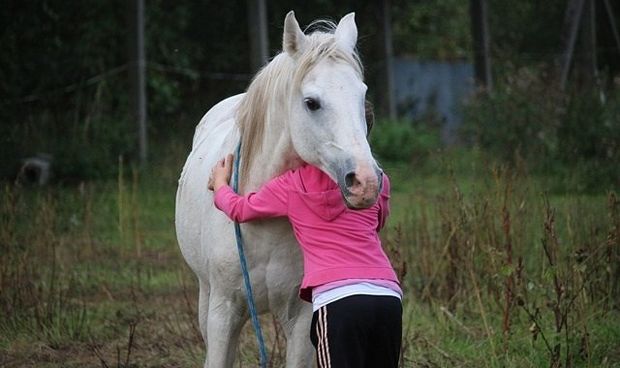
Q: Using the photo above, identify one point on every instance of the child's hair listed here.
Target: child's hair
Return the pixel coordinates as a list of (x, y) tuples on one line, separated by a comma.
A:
[(370, 116)]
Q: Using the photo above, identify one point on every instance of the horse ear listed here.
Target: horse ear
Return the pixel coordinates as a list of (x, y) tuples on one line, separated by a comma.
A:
[(346, 32), (293, 40)]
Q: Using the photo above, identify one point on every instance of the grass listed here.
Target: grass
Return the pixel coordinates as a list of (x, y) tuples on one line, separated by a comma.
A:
[(522, 275), (493, 265)]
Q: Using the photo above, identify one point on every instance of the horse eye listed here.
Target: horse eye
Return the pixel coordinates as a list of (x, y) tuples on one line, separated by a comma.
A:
[(312, 104)]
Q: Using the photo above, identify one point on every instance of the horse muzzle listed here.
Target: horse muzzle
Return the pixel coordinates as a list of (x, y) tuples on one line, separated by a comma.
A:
[(361, 187)]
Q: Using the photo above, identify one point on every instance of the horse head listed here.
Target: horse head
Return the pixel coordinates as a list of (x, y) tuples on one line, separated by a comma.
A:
[(327, 114)]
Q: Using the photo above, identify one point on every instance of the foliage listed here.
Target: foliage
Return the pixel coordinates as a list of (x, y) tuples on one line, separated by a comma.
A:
[(64, 74), (101, 281), (50, 104), (526, 32), (66, 89), (494, 273), (437, 29), (532, 270), (403, 141), (526, 120), (48, 45)]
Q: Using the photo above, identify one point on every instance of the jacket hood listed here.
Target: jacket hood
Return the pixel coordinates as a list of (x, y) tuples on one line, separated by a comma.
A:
[(320, 193), (327, 205)]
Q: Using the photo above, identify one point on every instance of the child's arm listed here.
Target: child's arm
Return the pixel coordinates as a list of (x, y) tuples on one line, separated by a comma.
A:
[(384, 202), (269, 201)]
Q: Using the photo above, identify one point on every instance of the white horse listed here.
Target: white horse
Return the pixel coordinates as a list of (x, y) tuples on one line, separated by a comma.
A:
[(307, 105)]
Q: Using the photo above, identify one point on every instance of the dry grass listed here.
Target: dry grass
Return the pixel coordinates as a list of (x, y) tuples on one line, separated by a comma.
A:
[(495, 272)]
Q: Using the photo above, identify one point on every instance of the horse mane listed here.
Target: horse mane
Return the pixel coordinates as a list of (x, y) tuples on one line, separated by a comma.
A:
[(272, 86)]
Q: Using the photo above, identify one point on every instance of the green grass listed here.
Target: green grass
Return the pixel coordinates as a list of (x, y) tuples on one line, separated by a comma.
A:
[(452, 218), (84, 266)]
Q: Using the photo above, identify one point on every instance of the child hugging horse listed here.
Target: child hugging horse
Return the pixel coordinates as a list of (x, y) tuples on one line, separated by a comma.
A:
[(302, 122)]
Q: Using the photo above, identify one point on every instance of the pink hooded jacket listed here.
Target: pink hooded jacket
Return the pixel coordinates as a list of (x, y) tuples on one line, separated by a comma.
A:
[(338, 243)]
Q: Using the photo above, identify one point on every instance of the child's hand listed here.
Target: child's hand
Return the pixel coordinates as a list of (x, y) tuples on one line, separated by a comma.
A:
[(221, 172)]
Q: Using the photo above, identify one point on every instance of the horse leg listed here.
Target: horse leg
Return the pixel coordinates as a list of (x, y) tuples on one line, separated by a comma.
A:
[(296, 325), (203, 310), (224, 322)]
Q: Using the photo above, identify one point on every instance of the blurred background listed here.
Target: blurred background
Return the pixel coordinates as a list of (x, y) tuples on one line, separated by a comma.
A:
[(498, 120), (76, 83)]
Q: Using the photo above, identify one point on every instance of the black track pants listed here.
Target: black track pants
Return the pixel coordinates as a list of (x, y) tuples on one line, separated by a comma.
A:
[(359, 331)]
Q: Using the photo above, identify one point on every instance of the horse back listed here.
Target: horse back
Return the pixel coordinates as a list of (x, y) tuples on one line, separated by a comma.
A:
[(195, 215)]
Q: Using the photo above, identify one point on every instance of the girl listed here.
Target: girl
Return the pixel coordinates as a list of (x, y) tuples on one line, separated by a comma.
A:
[(354, 291)]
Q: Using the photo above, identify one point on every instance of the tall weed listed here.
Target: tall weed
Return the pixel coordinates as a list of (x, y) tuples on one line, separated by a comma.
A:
[(507, 259), (39, 294)]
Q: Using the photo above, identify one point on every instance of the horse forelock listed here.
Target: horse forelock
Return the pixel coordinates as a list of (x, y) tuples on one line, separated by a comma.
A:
[(275, 82), (324, 46)]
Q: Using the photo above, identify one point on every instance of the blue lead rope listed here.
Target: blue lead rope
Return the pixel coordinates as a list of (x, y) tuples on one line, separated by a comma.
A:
[(244, 270)]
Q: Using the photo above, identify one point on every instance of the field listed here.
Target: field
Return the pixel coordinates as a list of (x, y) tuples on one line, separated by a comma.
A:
[(499, 270)]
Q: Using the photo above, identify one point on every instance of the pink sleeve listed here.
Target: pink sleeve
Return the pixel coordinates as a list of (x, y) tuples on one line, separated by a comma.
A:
[(384, 202), (269, 201)]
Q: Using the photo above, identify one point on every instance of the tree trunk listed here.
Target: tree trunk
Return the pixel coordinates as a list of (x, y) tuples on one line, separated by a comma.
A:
[(137, 74), (389, 59), (572, 18), (478, 11), (257, 27)]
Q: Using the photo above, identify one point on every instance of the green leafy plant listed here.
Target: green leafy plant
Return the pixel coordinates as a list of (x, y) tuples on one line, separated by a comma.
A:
[(404, 141), (574, 134)]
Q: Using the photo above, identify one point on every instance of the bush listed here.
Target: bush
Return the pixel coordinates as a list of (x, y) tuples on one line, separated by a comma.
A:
[(404, 141), (89, 149), (572, 134), (95, 153)]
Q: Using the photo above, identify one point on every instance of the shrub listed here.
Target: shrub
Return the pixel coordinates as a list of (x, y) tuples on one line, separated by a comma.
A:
[(404, 141), (571, 134)]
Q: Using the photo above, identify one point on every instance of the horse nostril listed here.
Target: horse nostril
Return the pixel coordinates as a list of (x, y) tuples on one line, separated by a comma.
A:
[(350, 180)]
